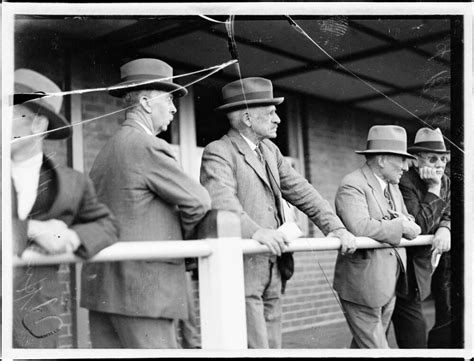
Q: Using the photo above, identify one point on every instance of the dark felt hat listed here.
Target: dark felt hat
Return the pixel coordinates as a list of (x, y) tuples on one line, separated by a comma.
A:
[(146, 74), (248, 92)]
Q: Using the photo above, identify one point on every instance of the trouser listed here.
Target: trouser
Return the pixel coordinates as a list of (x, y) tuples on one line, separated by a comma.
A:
[(368, 325), (188, 329), (109, 330), (440, 336), (262, 301), (409, 323)]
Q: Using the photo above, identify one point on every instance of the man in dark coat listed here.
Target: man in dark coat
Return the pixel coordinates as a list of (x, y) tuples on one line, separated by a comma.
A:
[(426, 191), (54, 210)]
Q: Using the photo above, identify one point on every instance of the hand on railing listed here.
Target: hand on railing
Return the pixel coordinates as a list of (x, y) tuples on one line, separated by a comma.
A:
[(348, 240), (275, 240)]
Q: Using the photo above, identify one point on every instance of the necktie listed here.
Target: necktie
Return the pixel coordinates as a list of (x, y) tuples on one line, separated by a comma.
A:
[(387, 195), (273, 185), (402, 278)]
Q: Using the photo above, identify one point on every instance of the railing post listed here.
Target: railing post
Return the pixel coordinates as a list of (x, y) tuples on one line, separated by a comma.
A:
[(221, 284)]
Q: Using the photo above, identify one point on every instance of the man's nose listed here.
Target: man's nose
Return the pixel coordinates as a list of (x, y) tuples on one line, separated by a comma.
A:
[(276, 119), (405, 165), (173, 109)]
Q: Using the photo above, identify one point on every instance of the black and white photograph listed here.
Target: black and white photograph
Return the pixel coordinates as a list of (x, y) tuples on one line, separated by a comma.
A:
[(237, 180)]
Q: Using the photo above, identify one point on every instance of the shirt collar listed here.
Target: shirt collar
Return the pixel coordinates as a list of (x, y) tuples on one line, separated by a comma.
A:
[(251, 144), (383, 184), (148, 131), (33, 162)]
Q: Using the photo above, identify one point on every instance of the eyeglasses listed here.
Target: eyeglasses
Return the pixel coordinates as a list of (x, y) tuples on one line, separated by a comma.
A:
[(434, 158)]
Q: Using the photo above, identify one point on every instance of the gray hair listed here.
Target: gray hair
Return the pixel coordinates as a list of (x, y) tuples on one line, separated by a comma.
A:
[(131, 99)]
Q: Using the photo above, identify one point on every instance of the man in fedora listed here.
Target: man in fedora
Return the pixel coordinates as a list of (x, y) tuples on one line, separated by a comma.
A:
[(370, 204), (426, 191), (54, 211), (135, 304), (246, 173)]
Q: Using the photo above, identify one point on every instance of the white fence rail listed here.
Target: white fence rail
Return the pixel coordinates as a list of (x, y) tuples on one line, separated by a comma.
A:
[(221, 280)]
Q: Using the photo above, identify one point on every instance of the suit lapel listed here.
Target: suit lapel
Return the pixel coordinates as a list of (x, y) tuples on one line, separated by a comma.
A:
[(272, 164), (376, 189), (61, 199), (248, 154)]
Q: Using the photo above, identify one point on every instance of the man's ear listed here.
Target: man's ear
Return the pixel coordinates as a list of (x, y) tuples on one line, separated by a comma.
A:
[(145, 104), (39, 124), (246, 118), (414, 162)]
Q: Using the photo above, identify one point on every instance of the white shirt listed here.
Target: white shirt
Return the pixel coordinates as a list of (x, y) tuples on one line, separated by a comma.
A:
[(25, 175), (251, 144), (383, 184)]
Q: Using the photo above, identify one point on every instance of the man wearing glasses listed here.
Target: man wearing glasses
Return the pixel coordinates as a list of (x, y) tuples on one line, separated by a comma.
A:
[(426, 192)]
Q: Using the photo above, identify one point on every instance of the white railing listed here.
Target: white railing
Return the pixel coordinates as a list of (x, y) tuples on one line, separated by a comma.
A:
[(221, 280)]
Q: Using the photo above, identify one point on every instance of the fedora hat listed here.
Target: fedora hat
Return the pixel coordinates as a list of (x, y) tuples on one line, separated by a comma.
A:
[(248, 92), (383, 139), (156, 74), (30, 90), (428, 140)]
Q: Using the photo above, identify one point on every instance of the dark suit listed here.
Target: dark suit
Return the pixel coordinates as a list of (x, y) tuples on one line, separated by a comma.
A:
[(237, 181), (138, 177), (69, 196), (430, 212), (369, 277)]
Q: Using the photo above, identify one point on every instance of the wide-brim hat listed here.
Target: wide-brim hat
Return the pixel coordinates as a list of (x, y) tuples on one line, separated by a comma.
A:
[(31, 91), (428, 140), (146, 74), (248, 92), (386, 139)]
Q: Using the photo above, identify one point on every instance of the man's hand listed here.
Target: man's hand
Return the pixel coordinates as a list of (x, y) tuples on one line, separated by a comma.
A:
[(442, 240), (273, 239), (431, 179), (53, 236), (348, 240), (410, 229)]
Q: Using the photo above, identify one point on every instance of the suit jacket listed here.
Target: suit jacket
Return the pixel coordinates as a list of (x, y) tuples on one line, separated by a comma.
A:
[(368, 276), (237, 181), (138, 177), (71, 199), (430, 212)]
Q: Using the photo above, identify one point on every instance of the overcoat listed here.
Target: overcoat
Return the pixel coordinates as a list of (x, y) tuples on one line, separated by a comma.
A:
[(69, 196), (430, 212), (369, 276), (139, 178), (237, 181)]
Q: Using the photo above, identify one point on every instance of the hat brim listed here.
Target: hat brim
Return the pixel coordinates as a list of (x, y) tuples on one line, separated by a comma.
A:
[(249, 103), (175, 89), (417, 149), (56, 121), (383, 151)]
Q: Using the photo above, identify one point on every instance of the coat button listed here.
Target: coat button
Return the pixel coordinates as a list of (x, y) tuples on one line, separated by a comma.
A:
[(391, 253), (270, 209)]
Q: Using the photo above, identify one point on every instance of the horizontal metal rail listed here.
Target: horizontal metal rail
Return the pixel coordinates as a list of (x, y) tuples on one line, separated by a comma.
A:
[(157, 250)]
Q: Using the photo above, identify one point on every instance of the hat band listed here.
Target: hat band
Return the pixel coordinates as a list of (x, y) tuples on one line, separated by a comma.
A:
[(387, 144), (250, 96), (148, 77), (26, 94), (431, 145)]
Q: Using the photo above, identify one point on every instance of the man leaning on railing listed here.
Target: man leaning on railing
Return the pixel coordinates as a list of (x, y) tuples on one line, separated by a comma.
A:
[(370, 204), (54, 211)]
